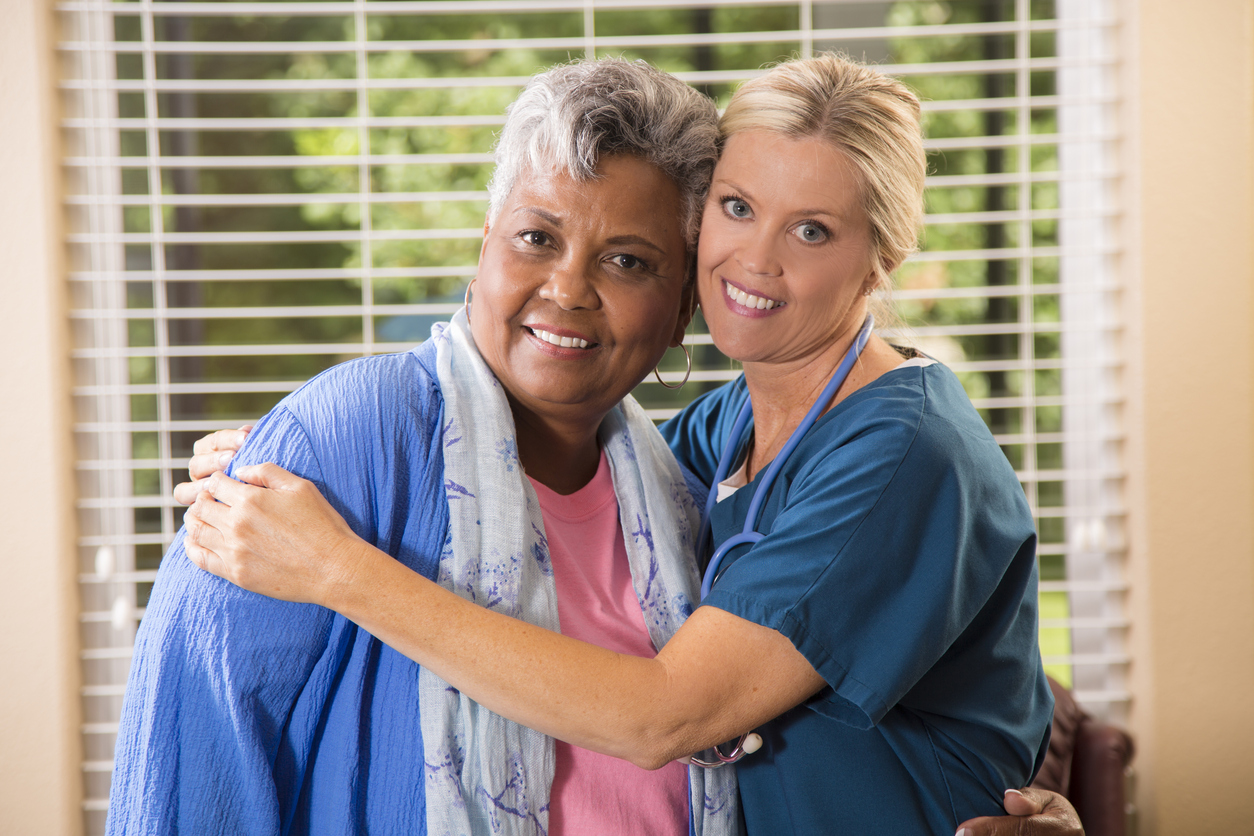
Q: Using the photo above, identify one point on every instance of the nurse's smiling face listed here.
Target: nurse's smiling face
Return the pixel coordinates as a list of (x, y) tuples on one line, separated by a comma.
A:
[(579, 287), (785, 253)]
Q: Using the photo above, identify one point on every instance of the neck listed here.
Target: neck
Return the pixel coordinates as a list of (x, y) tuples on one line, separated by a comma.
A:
[(782, 393), (562, 456)]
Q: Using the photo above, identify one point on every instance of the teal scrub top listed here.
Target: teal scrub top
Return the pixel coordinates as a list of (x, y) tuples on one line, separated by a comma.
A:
[(899, 559)]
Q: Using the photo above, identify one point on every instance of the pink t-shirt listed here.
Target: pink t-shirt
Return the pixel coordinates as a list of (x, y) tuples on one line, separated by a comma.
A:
[(595, 793)]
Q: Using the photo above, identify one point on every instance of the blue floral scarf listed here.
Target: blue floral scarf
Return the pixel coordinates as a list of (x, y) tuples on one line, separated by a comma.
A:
[(485, 774)]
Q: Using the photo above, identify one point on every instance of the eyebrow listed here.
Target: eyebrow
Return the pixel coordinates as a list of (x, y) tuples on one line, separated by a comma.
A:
[(620, 240), (617, 240), (804, 211), (540, 213)]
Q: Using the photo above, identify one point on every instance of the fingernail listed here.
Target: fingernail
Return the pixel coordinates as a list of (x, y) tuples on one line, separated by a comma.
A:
[(1013, 792), (963, 832), (225, 458)]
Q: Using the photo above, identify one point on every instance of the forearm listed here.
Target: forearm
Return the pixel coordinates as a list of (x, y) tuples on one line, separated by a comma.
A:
[(717, 677), (648, 711)]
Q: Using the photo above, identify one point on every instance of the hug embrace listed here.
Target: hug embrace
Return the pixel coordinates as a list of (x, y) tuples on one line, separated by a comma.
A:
[(457, 590)]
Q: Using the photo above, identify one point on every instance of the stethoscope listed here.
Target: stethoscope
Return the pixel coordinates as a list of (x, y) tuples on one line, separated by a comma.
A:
[(751, 742)]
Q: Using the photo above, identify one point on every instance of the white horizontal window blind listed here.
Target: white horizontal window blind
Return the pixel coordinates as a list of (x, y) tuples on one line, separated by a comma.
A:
[(259, 190)]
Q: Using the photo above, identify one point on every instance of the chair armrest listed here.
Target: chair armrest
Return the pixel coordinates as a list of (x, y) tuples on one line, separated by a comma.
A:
[(1102, 754)]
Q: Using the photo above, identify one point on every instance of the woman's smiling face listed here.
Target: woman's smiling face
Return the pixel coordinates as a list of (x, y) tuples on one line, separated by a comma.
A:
[(785, 253), (579, 287)]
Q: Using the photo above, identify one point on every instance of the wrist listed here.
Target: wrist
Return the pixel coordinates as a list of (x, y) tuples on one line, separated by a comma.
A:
[(347, 571)]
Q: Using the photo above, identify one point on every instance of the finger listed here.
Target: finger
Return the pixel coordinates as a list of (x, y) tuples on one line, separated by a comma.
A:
[(207, 464), (220, 441), (205, 444), (204, 521), (225, 489), (269, 475), (206, 511), (984, 826), (205, 559), (194, 554), (185, 493), (1036, 813), (1027, 802), (1007, 826)]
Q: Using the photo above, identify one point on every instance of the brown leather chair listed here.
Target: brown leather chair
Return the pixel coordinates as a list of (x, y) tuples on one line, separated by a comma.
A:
[(1086, 762)]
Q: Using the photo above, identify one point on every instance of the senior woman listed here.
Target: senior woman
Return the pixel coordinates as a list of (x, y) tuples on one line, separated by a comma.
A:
[(880, 633), (510, 436)]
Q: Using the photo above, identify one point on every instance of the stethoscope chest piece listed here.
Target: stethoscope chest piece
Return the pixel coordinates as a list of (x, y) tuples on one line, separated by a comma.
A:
[(746, 745)]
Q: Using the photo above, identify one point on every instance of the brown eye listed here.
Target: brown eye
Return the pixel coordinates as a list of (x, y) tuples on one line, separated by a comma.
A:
[(628, 262)]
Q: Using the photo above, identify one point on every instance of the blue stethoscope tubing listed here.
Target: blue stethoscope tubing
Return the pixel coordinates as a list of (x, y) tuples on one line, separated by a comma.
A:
[(748, 534)]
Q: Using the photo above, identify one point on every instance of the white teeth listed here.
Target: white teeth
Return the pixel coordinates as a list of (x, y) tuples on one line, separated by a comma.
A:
[(564, 342), (748, 299)]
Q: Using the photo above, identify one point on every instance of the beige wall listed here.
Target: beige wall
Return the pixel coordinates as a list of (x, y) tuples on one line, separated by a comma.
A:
[(40, 784), (1191, 131)]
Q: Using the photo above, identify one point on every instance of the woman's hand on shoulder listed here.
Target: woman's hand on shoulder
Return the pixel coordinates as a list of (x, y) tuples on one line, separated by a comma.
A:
[(273, 533), (1032, 812), (210, 454)]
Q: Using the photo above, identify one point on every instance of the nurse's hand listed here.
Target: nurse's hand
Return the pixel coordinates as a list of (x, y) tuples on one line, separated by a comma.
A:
[(210, 455), (1032, 813), (272, 533)]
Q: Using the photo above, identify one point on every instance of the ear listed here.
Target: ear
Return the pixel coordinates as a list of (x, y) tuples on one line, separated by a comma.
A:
[(881, 272), (687, 310), (487, 227)]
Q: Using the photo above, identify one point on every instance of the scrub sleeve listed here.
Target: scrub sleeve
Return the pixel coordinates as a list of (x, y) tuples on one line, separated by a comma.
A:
[(899, 558)]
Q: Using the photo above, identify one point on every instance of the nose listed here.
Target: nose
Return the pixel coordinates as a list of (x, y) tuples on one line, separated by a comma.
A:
[(757, 255), (570, 285)]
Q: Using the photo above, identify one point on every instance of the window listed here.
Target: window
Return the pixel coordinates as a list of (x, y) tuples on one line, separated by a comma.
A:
[(259, 190)]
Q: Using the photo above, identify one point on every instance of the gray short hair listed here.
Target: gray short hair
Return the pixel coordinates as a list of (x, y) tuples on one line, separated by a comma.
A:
[(572, 114)]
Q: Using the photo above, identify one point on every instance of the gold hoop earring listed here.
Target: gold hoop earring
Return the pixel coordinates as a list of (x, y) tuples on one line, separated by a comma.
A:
[(688, 372), (466, 301)]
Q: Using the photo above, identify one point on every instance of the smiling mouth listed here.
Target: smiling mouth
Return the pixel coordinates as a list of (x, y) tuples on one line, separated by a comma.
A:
[(748, 299), (561, 342)]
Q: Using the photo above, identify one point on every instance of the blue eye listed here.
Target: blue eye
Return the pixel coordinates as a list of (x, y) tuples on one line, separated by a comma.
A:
[(812, 233), (736, 207)]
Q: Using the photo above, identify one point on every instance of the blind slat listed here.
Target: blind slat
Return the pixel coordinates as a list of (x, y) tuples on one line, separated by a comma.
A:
[(301, 85), (454, 7)]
